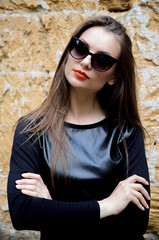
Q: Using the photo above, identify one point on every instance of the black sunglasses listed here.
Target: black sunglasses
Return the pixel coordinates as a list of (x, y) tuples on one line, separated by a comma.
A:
[(100, 61)]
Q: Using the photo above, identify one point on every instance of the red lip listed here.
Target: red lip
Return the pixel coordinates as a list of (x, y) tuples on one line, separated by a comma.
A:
[(81, 74)]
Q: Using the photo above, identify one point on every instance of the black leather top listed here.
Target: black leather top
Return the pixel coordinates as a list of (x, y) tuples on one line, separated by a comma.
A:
[(98, 159)]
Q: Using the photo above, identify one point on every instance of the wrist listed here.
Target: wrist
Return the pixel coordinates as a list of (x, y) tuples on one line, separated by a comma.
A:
[(106, 208)]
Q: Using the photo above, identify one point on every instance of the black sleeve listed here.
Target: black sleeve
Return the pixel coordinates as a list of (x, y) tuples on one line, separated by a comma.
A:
[(132, 217), (36, 213)]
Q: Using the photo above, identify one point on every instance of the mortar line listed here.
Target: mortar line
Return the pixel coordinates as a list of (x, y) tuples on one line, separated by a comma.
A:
[(68, 12), (27, 72), (52, 13)]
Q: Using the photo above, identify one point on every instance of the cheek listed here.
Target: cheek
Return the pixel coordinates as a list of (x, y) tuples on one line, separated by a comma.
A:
[(98, 82), (103, 77), (108, 75)]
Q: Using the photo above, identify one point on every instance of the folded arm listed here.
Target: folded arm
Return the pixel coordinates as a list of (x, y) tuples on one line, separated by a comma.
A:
[(37, 212)]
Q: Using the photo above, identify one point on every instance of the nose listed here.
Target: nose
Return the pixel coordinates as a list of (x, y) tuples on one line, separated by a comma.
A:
[(86, 62)]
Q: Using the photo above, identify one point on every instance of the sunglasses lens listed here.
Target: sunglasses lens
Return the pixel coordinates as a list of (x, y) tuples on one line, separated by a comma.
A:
[(78, 49), (102, 62)]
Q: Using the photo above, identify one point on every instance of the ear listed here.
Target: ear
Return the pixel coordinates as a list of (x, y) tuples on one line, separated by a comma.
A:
[(112, 81), (114, 77)]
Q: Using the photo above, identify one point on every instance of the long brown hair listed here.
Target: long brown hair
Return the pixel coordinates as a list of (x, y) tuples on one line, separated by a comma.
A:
[(119, 100)]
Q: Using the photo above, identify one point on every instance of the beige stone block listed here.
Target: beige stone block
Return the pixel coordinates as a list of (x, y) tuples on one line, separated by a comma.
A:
[(144, 26), (23, 5), (20, 93), (157, 171), (148, 91), (4, 208), (153, 4), (3, 183), (47, 5), (115, 5), (154, 210), (3, 203), (153, 24), (6, 138), (152, 138), (25, 44), (34, 42), (59, 5), (152, 153)]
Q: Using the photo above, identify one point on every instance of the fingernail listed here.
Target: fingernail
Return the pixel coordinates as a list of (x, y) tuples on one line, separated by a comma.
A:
[(17, 181)]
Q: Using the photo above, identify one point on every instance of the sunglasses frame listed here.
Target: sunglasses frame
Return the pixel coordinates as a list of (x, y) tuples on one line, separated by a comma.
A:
[(72, 45)]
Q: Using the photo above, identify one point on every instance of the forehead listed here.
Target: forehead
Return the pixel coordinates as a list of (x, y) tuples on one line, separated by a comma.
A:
[(99, 39)]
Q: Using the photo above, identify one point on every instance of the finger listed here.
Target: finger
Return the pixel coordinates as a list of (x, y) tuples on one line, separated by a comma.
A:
[(26, 182), (138, 203), (35, 176), (31, 175), (140, 188), (27, 187), (30, 193), (136, 178), (142, 200)]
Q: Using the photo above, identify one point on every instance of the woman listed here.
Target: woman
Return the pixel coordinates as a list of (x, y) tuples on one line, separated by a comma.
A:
[(78, 162)]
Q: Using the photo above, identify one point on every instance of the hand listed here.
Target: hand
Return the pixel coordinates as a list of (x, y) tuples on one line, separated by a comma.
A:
[(33, 185), (129, 190)]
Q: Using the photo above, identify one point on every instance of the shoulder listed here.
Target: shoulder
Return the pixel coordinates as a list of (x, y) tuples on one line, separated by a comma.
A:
[(26, 154), (129, 130), (24, 132), (125, 130)]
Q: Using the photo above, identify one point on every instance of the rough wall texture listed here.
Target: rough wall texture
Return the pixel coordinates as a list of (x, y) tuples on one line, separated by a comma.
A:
[(33, 34)]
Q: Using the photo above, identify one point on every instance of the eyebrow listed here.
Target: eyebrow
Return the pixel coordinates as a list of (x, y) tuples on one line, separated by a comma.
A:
[(96, 52)]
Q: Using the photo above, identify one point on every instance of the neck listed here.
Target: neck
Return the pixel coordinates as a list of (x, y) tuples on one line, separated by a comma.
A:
[(84, 108)]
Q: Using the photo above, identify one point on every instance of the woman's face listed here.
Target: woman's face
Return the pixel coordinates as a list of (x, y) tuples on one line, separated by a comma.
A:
[(98, 40)]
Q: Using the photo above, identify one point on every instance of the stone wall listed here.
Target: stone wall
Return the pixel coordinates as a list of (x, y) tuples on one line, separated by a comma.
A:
[(33, 34)]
